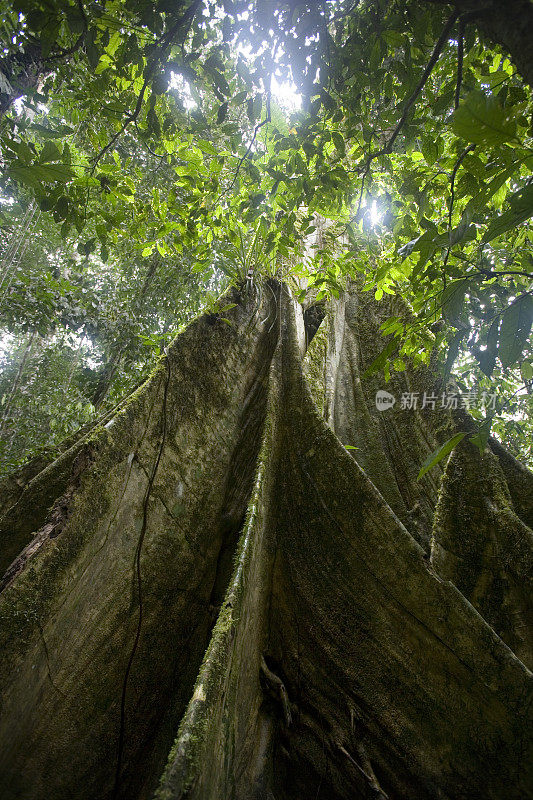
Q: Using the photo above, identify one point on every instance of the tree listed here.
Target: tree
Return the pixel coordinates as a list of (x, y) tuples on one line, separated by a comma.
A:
[(248, 580)]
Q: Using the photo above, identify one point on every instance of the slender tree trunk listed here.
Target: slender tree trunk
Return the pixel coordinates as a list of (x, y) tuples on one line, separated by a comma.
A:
[(223, 602), (17, 381)]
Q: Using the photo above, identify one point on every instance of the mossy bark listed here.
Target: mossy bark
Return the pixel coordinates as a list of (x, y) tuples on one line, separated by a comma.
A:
[(221, 586), (390, 446), (482, 546), (150, 514)]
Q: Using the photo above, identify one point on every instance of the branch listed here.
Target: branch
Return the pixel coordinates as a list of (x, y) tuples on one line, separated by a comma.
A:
[(244, 157), (247, 153), (161, 45), (454, 175), (460, 55), (492, 274), (363, 179), (508, 24), (437, 50), (452, 200), (443, 38), (68, 52), (79, 41)]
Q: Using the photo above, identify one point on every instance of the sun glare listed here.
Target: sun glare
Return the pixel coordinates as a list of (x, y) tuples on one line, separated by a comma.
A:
[(286, 94), (375, 214)]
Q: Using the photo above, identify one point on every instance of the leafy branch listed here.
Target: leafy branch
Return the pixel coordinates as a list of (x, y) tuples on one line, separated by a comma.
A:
[(160, 46), (452, 203), (257, 128), (387, 149), (64, 53), (437, 50)]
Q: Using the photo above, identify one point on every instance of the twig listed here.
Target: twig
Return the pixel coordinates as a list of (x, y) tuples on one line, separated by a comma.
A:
[(368, 772), (277, 686), (245, 156), (460, 56), (452, 201), (363, 179), (152, 153)]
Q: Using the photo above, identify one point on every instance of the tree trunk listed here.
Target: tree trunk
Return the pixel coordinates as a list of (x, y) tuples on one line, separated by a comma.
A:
[(508, 24), (367, 635)]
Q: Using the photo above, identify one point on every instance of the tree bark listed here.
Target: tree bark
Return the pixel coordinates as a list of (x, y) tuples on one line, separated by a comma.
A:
[(508, 24), (359, 643)]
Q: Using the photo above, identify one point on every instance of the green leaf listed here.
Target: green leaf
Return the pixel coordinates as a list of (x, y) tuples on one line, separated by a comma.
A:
[(487, 358), (75, 20), (441, 452), (482, 436), (207, 147), (49, 34), (257, 106), (38, 173), (526, 368), (52, 133), (239, 98), (222, 112), (327, 101), (338, 141), (87, 247), (453, 300), (514, 332), (430, 150), (62, 206), (482, 120), (393, 38), (521, 209), (464, 232), (453, 351), (424, 244), (93, 52), (220, 82), (114, 43), (50, 152), (382, 359)]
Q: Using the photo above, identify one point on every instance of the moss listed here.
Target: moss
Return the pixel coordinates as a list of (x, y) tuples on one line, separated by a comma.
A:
[(480, 544), (77, 595), (209, 732), (314, 364)]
